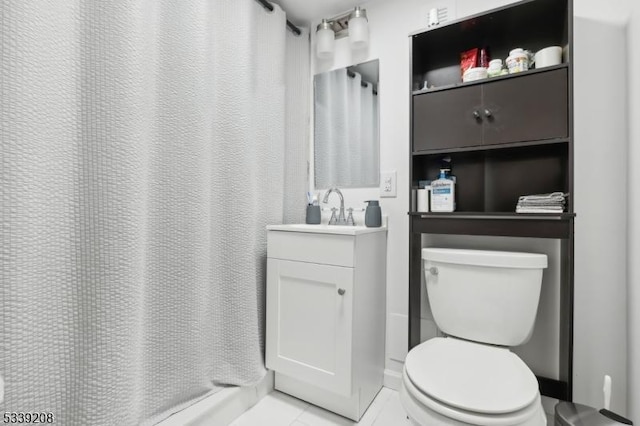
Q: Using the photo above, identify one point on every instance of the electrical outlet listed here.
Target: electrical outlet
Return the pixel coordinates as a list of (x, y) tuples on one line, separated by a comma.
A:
[(388, 184)]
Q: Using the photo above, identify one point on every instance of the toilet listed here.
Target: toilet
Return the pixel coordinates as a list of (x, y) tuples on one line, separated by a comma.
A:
[(484, 302)]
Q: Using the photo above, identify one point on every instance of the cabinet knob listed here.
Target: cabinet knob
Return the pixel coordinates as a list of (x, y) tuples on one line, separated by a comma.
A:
[(488, 113), (341, 291), (433, 271), (476, 114)]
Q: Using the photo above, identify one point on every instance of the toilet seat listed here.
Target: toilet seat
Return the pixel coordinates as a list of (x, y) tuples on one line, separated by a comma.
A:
[(427, 411), (471, 382), (471, 376)]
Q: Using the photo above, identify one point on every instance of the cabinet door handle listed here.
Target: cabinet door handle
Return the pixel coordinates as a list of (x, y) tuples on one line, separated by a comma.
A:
[(476, 114), (341, 291), (488, 113)]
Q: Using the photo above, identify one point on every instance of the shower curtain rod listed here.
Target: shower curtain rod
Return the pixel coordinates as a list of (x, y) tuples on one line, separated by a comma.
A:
[(290, 25), (362, 83)]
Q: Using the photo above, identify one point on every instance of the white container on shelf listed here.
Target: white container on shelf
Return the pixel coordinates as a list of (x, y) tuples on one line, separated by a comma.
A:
[(495, 68), (473, 74), (517, 61), (423, 199), (548, 56)]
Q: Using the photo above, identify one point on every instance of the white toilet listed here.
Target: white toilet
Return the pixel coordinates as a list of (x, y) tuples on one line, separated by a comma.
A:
[(485, 302)]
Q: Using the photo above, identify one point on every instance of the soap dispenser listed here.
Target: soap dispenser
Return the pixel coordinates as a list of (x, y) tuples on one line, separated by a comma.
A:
[(373, 214)]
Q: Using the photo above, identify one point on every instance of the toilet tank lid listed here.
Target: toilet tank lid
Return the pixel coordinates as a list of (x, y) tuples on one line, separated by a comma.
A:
[(499, 259)]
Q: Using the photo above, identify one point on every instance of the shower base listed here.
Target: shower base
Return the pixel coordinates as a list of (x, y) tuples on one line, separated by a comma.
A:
[(222, 407)]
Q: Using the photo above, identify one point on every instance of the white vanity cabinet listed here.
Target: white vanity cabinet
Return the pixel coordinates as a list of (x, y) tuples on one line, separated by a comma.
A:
[(326, 314)]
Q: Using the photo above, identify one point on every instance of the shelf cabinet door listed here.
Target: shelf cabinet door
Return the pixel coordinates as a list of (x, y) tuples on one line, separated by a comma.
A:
[(309, 323), (447, 119), (528, 108)]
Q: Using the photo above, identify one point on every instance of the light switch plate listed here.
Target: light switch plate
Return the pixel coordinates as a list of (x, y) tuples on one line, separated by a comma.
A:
[(388, 184)]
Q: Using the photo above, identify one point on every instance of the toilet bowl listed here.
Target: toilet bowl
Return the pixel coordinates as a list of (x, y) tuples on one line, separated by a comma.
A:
[(447, 381), (485, 302)]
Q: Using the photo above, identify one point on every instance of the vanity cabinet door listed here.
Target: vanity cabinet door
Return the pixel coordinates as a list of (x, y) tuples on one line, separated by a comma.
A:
[(447, 119), (309, 323), (528, 108)]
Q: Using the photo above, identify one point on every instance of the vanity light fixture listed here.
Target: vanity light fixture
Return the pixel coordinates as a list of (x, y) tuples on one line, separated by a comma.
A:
[(354, 24), (325, 40), (358, 28)]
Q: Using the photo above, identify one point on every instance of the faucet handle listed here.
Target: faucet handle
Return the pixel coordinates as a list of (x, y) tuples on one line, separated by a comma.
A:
[(333, 219), (350, 221)]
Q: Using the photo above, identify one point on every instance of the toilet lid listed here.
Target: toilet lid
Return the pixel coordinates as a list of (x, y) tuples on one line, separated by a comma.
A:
[(471, 376)]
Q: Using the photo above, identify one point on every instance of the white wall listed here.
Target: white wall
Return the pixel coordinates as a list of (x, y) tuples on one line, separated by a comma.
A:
[(633, 47), (600, 343), (600, 325)]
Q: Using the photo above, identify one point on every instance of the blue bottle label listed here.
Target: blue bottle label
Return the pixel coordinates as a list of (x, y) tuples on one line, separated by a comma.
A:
[(441, 190)]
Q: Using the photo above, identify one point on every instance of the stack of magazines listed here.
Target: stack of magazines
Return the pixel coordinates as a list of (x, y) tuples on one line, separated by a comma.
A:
[(542, 203)]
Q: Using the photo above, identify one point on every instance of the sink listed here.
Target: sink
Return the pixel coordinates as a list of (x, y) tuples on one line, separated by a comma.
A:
[(326, 229)]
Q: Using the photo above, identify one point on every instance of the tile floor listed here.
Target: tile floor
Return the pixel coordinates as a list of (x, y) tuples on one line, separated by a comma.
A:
[(279, 409)]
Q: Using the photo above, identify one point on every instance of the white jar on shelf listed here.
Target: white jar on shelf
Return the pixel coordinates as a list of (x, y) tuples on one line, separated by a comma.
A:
[(517, 61), (495, 68)]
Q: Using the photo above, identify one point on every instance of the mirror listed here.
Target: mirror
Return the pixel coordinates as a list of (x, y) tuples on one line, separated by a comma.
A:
[(346, 133)]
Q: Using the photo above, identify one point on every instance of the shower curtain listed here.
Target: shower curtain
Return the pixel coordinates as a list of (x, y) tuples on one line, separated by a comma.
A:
[(143, 145), (346, 123)]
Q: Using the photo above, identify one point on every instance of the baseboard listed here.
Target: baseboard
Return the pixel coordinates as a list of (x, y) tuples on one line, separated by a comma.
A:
[(266, 385), (392, 379), (222, 407)]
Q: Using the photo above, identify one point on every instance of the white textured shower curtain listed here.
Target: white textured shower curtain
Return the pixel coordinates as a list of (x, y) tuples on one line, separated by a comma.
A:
[(346, 131), (142, 151)]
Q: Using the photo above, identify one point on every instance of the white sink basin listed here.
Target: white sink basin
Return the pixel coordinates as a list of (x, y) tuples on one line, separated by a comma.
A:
[(325, 229)]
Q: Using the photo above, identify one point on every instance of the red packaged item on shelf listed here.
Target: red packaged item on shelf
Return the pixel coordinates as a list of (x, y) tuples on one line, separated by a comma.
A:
[(468, 60), (485, 58)]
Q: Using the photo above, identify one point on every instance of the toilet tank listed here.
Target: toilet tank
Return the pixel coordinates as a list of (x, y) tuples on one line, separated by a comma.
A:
[(485, 296)]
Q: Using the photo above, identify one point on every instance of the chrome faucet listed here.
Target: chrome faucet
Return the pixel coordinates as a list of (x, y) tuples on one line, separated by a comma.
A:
[(341, 220)]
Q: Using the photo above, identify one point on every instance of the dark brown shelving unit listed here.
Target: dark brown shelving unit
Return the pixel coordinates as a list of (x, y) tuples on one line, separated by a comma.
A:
[(497, 224), (503, 137), (499, 78)]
